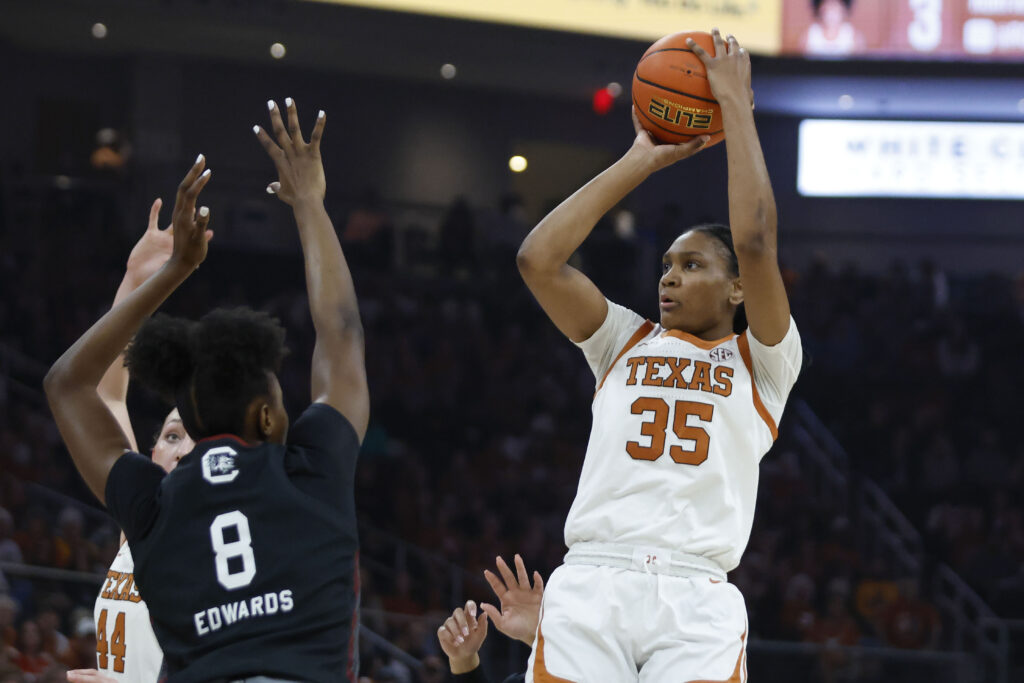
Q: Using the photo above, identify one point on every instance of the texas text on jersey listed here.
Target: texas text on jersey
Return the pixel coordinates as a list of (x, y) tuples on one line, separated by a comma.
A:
[(247, 555)]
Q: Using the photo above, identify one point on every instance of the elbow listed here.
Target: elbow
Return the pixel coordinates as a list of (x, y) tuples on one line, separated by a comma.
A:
[(55, 379), (529, 261), (758, 240)]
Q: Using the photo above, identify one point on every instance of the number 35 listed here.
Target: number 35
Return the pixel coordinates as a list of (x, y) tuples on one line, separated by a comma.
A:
[(656, 428)]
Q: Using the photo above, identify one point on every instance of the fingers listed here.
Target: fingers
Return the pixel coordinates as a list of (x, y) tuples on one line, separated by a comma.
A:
[(154, 214), (497, 586), (318, 130), (462, 621), (733, 46), (493, 612), (506, 573), (446, 638), (293, 122), (720, 46), (202, 220), (687, 149), (524, 578), (538, 581), (278, 126), (701, 53), (275, 152), (190, 187), (189, 179), (454, 630)]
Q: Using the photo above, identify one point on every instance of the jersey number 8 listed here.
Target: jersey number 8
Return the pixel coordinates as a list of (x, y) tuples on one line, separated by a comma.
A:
[(225, 550)]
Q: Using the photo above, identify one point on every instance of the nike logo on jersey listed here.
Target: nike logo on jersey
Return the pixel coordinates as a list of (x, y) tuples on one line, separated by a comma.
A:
[(680, 373), (120, 586)]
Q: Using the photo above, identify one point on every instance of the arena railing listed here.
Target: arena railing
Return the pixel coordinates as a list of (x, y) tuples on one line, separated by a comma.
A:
[(976, 628)]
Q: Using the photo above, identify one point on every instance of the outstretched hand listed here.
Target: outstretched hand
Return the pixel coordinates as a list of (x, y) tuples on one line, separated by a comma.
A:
[(153, 249), (188, 226), (461, 637), (520, 602), (300, 170), (728, 69)]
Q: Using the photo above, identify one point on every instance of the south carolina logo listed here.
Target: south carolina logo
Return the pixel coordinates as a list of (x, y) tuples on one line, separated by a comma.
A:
[(720, 354), (219, 465)]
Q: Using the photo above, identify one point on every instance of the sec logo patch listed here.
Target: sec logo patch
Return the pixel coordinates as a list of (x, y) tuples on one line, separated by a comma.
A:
[(720, 354)]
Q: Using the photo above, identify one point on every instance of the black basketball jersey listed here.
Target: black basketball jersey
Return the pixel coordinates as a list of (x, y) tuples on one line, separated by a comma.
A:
[(247, 555)]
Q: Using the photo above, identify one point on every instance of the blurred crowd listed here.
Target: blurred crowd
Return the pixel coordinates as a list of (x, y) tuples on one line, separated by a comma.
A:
[(481, 413)]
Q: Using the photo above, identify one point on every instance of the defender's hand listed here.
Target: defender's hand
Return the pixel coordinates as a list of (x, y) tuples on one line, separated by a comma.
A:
[(300, 170), (461, 637), (728, 70), (520, 602), (190, 235)]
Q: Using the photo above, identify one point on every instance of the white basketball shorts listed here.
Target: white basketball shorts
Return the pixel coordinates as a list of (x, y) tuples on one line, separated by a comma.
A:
[(613, 624)]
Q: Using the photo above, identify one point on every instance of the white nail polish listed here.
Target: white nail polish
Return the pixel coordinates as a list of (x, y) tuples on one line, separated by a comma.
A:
[(256, 129), (288, 102), (204, 212), (206, 173), (270, 190), (271, 105), (199, 158), (321, 114)]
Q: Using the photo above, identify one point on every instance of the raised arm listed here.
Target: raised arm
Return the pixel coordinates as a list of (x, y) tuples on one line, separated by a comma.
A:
[(150, 253), (339, 366), (570, 298), (92, 434), (752, 214)]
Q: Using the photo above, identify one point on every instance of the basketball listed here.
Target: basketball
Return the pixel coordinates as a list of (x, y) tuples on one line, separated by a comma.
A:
[(671, 92)]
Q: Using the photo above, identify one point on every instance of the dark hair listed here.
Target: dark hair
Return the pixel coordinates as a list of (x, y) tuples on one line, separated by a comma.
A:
[(723, 234), (211, 369), (817, 5)]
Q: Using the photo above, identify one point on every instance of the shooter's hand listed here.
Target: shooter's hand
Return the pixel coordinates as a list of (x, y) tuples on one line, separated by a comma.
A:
[(657, 155), (728, 70), (300, 170)]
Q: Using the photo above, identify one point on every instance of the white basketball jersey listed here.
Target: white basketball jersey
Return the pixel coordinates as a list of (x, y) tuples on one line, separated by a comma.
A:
[(680, 426), (126, 648)]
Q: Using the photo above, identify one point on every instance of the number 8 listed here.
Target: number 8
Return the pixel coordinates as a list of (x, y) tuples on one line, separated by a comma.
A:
[(225, 550)]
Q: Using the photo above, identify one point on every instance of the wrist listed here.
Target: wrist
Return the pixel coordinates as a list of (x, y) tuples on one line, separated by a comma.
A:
[(638, 163), (463, 665), (739, 101)]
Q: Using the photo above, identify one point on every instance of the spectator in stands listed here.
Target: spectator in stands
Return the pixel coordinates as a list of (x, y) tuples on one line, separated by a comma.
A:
[(82, 652), (31, 658), (71, 549), (8, 616), (54, 643), (910, 622), (9, 550)]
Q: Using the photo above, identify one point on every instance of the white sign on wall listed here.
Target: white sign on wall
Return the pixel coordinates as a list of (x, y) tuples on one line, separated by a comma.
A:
[(841, 158)]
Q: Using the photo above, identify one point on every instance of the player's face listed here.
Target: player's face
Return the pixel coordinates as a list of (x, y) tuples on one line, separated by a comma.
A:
[(697, 293), (173, 443)]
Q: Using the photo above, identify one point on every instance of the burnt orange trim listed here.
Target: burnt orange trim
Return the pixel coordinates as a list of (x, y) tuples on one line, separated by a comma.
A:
[(744, 345), (218, 437), (642, 332), (540, 670), (696, 341), (739, 673)]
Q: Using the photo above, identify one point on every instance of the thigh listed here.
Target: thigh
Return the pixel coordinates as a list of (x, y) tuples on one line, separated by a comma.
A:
[(583, 629), (701, 634)]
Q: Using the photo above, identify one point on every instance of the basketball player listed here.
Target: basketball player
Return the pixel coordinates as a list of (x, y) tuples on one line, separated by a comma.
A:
[(216, 540), (126, 647), (683, 412)]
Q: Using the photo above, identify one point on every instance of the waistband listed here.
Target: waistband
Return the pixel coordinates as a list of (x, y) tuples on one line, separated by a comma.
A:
[(646, 559)]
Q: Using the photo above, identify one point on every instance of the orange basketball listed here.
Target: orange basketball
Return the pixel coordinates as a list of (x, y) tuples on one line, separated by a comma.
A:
[(671, 92)]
